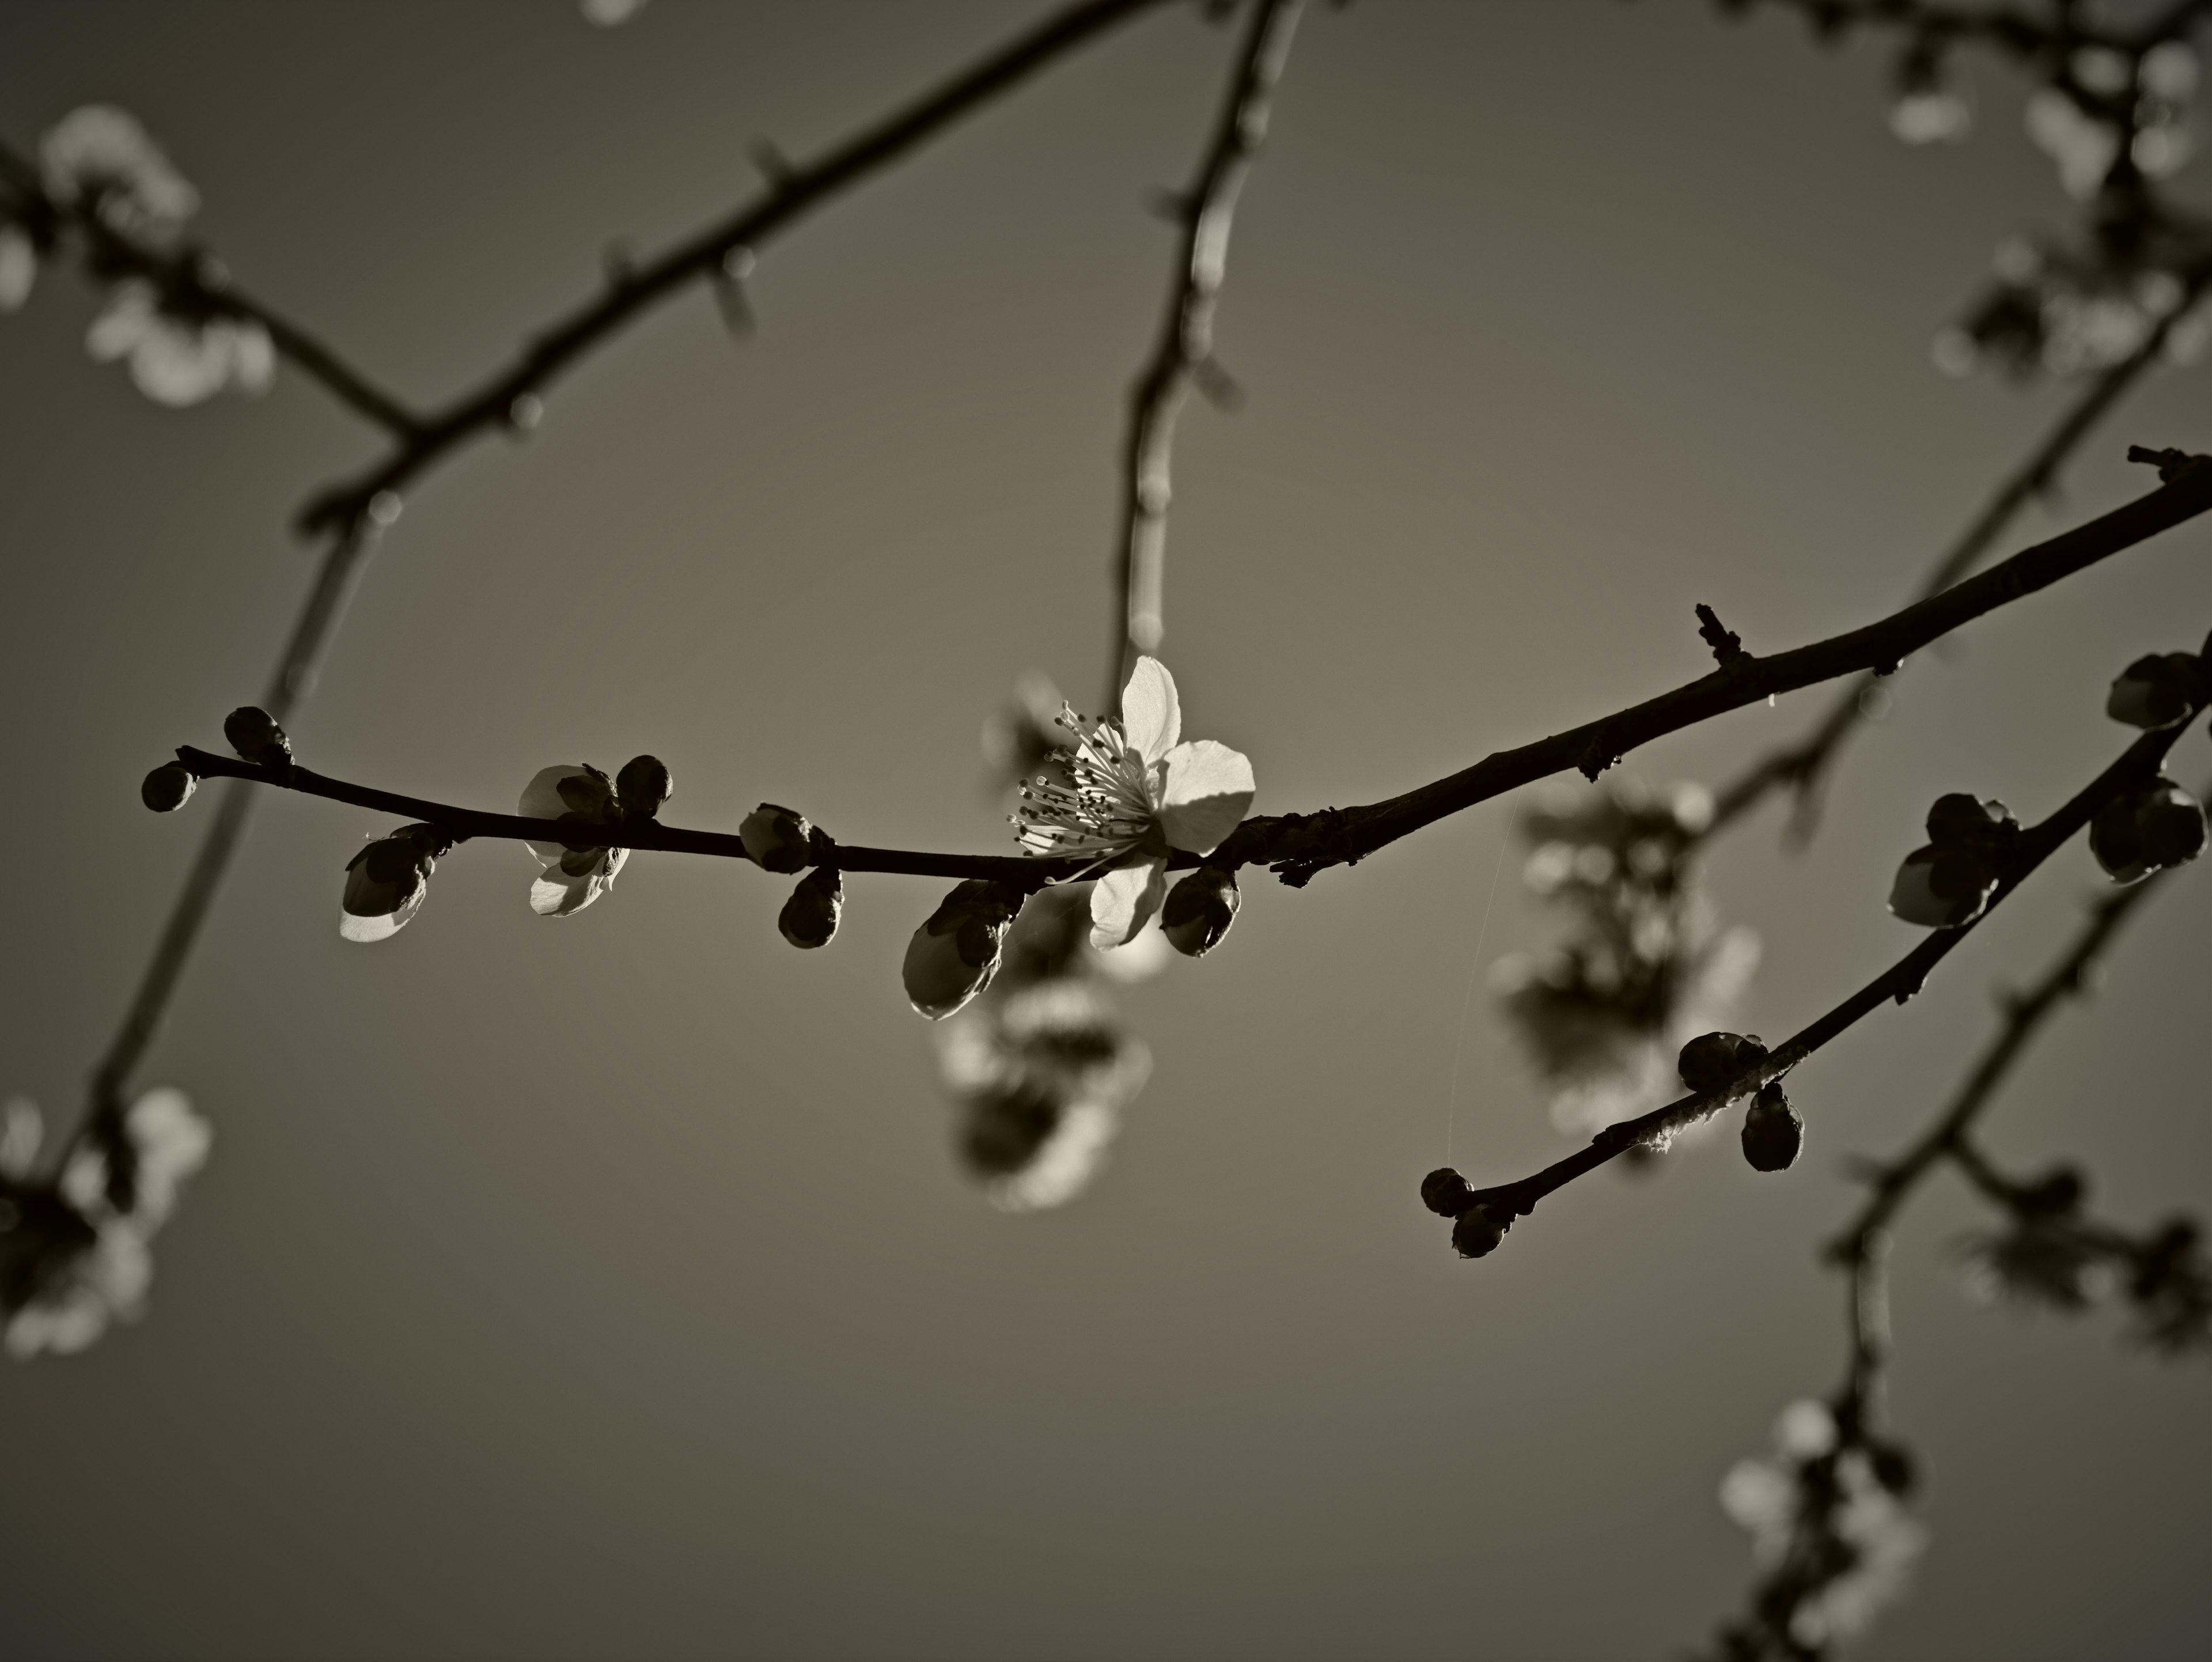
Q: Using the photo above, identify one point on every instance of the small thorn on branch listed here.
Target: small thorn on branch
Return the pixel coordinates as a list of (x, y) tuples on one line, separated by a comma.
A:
[(1727, 644)]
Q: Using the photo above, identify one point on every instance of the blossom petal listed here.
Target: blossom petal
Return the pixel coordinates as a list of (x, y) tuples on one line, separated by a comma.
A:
[(1123, 900), (1206, 789), (128, 319), (391, 923), (541, 800), (1150, 712), (559, 895)]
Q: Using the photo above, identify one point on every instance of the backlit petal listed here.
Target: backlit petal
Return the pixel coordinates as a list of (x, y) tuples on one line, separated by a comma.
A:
[(1151, 714), (1123, 900), (1205, 793), (541, 800), (384, 927)]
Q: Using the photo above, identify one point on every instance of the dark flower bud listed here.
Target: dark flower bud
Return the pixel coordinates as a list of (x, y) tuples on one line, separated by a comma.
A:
[(2157, 691), (1711, 1060), (1772, 1132), (1894, 1467), (953, 956), (2159, 826), (254, 734), (2162, 1260), (1480, 1229), (1199, 911), (2058, 1191), (642, 786), (778, 839), (169, 787), (1960, 821), (809, 917), (1445, 1193), (1940, 888)]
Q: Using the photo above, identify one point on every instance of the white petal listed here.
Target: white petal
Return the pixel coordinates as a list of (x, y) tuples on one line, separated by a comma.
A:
[(18, 268), (1123, 900), (384, 927), (541, 800), (553, 896), (177, 366), (1151, 714), (126, 321), (253, 357), (1205, 794)]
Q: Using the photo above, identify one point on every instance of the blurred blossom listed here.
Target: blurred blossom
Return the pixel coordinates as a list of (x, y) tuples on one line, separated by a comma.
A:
[(2083, 147), (1040, 1064), (100, 157), (19, 267), (179, 361), (2169, 71), (2060, 313), (1930, 115), (575, 874), (72, 1260), (1137, 796), (609, 14), (1834, 1543), (1643, 968)]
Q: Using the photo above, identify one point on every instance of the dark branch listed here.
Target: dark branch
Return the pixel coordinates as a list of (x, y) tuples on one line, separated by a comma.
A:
[(786, 198), (1801, 765), (1183, 356)]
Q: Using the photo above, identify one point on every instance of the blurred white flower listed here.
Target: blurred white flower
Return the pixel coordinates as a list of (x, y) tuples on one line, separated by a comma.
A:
[(1137, 796), (178, 361), (101, 157), (2169, 71), (73, 1261), (1930, 115), (19, 267), (575, 874), (611, 14), (2083, 147)]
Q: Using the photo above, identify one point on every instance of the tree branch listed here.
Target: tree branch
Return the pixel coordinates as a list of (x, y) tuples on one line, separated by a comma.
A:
[(1184, 352), (790, 193), (2137, 765), (1803, 765)]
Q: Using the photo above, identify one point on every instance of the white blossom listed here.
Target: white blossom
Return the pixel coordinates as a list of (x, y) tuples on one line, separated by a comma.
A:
[(179, 361), (102, 156), (573, 877), (19, 267)]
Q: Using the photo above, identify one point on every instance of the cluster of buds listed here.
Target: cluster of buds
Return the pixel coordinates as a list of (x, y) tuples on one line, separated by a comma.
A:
[(782, 840), (1644, 967), (1478, 1226), (73, 1245), (2050, 1255), (1040, 1065), (1830, 1531), (1948, 881), (577, 870), (1773, 1134)]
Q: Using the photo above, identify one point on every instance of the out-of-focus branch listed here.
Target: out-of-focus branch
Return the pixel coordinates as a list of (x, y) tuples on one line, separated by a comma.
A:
[(1297, 846), (1184, 353), (1802, 765), (2136, 766), (189, 280), (720, 253), (2021, 33)]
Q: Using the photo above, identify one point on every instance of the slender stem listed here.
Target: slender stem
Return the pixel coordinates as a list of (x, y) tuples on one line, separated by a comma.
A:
[(1901, 981), (1803, 765), (707, 255), (1183, 354)]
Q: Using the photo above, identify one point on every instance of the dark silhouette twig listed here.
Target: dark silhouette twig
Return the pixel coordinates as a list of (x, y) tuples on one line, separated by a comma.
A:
[(1183, 355)]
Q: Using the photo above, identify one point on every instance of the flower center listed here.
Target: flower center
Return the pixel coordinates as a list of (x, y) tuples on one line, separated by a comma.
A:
[(1109, 805)]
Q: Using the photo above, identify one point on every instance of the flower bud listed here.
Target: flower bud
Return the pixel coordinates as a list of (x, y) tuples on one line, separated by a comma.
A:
[(254, 734), (1479, 1231), (2057, 1192), (1711, 1060), (1773, 1133), (1445, 1193), (953, 956), (778, 839), (2159, 826), (1199, 911), (1894, 1467), (1940, 888), (388, 880), (809, 917), (642, 786), (1960, 821), (2157, 691), (169, 787)]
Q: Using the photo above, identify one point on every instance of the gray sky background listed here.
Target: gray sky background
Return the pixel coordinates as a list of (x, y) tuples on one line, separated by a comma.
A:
[(606, 1286)]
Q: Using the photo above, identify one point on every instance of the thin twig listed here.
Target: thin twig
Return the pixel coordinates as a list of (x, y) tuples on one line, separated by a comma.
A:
[(1183, 355)]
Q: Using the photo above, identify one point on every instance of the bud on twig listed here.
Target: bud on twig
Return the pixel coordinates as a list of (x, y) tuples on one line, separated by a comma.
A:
[(808, 918), (2157, 691), (1711, 1060), (1772, 1132), (1446, 1193), (778, 839), (169, 787), (642, 786), (2162, 824), (1479, 1231), (387, 882), (953, 956), (254, 734), (1199, 911)]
